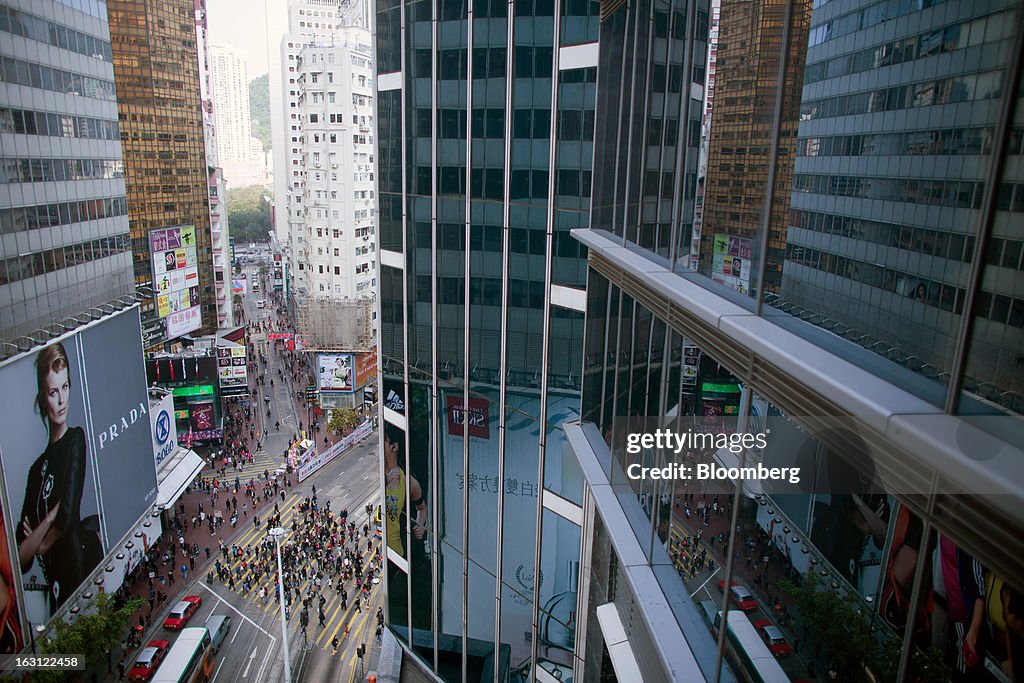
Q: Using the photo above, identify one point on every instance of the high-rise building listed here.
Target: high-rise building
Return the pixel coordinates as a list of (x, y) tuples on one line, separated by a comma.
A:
[(741, 156), (904, 529), (220, 239), (893, 162), (235, 143), (307, 20), (231, 92), (156, 71), (63, 216), (335, 105), (485, 139)]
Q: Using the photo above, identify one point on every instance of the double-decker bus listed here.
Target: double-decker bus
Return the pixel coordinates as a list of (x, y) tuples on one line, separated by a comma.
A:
[(190, 659)]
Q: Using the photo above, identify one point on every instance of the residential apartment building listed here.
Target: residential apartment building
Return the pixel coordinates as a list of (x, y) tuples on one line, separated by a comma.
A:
[(307, 21), (64, 236), (240, 154), (231, 92), (156, 71), (336, 115), (220, 240)]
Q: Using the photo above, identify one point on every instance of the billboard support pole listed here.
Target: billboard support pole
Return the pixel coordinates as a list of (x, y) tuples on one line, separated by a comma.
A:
[(277, 532)]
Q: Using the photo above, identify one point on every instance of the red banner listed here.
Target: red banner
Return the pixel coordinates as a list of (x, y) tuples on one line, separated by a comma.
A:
[(366, 368), (476, 417)]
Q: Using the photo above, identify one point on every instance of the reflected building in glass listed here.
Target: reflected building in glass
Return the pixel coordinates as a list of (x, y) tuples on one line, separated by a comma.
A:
[(752, 127), (897, 148), (905, 527), (485, 134)]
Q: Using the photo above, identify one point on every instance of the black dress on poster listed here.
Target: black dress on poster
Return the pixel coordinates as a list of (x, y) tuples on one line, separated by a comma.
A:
[(50, 526)]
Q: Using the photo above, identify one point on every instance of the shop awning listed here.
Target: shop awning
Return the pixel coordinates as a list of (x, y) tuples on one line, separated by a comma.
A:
[(184, 466)]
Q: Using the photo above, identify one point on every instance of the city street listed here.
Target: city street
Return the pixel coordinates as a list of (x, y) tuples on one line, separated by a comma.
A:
[(252, 650)]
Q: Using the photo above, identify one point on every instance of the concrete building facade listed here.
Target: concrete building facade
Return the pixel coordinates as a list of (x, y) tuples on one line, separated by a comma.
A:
[(336, 119)]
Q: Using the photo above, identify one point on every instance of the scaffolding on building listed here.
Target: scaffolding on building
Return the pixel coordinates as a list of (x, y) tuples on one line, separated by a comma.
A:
[(335, 324)]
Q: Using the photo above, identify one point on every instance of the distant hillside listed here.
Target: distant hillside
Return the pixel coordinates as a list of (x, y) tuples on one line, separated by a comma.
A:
[(259, 109)]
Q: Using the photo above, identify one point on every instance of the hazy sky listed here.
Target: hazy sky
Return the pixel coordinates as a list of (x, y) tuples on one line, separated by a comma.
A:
[(241, 24)]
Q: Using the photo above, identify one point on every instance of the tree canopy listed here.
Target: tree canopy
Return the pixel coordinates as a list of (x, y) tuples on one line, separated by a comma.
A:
[(249, 214), (259, 109)]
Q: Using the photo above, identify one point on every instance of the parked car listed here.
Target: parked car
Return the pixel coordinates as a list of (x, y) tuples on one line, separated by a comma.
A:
[(742, 597), (148, 660), (182, 612), (773, 638)]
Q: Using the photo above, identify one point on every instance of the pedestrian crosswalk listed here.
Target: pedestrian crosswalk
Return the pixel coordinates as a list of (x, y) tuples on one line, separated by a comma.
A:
[(336, 618), (682, 549)]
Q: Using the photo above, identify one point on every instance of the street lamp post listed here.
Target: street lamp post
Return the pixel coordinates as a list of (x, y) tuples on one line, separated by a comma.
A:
[(276, 533)]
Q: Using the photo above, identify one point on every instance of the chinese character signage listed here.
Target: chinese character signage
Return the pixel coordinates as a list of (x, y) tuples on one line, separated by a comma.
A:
[(231, 368), (176, 278), (731, 262)]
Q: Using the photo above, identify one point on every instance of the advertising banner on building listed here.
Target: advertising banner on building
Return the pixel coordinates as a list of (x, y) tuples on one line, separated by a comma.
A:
[(231, 366), (238, 286), (521, 491), (176, 278), (730, 264), (476, 417), (76, 448), (334, 373), (366, 368), (165, 434), (314, 464)]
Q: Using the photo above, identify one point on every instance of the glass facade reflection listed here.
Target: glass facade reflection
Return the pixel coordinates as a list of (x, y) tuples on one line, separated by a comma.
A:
[(857, 253), (486, 113), (63, 222), (156, 71)]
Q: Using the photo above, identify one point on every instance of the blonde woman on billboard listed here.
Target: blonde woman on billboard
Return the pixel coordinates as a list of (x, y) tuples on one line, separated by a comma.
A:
[(50, 528)]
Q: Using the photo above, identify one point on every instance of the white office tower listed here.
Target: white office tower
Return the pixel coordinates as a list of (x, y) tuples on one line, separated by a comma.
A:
[(64, 241), (220, 240), (335, 98)]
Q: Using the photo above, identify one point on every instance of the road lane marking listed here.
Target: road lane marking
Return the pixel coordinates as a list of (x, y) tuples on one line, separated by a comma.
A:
[(248, 665), (700, 587), (263, 666), (217, 672), (234, 608)]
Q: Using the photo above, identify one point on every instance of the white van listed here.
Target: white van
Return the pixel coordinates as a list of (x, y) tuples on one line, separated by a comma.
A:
[(218, 625)]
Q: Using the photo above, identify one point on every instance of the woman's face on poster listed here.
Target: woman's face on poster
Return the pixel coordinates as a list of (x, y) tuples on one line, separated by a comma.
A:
[(58, 390)]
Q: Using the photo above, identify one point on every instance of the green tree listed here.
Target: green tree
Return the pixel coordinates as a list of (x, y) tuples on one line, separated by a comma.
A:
[(259, 109), (840, 625), (249, 214), (341, 419), (96, 633)]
